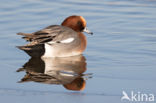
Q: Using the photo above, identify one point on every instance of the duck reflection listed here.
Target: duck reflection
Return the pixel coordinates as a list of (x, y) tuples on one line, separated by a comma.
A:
[(67, 71)]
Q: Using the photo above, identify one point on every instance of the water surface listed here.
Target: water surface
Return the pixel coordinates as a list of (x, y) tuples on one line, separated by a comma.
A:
[(121, 54)]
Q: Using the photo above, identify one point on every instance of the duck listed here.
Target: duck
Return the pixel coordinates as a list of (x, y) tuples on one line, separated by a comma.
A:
[(62, 40)]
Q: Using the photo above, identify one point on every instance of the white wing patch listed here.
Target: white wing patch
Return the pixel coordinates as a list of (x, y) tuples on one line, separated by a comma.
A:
[(51, 42), (69, 40)]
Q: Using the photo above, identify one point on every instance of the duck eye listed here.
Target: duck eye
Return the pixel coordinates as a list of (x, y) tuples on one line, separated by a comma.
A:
[(80, 25)]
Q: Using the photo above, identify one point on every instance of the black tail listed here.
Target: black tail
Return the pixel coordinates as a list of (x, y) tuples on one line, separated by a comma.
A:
[(33, 50)]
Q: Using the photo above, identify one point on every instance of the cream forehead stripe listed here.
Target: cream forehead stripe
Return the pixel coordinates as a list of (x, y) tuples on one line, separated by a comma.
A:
[(83, 20)]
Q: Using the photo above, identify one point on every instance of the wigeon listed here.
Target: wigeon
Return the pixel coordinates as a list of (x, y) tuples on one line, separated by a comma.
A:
[(62, 40)]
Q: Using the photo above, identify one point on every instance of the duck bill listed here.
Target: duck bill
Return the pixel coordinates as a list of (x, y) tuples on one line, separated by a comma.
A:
[(87, 31)]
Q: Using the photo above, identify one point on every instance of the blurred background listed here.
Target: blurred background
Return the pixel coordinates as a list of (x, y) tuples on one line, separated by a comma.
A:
[(121, 54)]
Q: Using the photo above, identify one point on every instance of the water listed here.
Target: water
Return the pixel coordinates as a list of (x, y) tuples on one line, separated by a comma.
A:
[(120, 55)]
